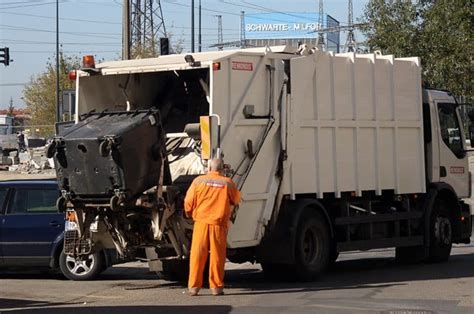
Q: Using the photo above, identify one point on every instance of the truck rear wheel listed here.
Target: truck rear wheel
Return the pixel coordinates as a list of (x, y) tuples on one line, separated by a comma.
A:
[(313, 246), (441, 233)]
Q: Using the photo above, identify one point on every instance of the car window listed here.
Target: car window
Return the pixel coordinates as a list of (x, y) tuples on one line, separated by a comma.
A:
[(32, 201), (3, 196)]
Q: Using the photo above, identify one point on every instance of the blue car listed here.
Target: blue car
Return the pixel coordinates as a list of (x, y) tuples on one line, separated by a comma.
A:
[(32, 231)]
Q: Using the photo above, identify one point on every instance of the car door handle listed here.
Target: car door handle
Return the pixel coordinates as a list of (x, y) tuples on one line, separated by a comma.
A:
[(54, 224)]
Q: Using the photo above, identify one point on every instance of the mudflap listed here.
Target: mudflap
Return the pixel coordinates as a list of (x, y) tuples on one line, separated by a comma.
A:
[(466, 224)]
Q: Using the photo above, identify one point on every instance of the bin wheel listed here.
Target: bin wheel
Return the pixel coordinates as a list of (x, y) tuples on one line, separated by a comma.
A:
[(115, 203), (61, 203), (104, 148), (51, 149)]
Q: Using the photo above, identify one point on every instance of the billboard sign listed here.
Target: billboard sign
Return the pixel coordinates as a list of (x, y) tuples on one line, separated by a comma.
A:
[(281, 25)]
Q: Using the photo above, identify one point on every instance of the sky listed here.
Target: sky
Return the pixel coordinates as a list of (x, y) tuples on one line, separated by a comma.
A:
[(28, 28)]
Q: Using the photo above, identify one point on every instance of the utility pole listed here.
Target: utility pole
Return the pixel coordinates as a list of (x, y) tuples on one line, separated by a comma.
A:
[(57, 62), (242, 30), (146, 25), (351, 44), (10, 107), (192, 25), (126, 30), (320, 41), (200, 38), (220, 33)]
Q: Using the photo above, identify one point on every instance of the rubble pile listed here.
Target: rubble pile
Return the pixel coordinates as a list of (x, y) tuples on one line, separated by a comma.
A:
[(32, 161)]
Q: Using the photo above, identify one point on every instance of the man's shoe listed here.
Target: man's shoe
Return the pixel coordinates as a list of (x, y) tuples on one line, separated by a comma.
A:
[(217, 291), (193, 291)]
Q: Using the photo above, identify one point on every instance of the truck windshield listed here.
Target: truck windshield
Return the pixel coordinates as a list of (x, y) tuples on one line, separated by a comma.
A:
[(450, 128)]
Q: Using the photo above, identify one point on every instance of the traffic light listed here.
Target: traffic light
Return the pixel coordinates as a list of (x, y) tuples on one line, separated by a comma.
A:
[(5, 56), (164, 46)]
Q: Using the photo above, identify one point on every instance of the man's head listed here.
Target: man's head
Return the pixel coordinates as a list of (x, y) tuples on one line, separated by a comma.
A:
[(216, 165)]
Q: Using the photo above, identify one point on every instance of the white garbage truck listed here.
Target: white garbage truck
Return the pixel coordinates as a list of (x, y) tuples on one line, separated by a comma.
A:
[(331, 153)]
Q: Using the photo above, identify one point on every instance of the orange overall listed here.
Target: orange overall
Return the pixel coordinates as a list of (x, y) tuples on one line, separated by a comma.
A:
[(208, 201)]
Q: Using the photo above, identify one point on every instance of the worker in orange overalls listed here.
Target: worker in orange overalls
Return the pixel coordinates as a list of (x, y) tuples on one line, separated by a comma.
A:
[(208, 201)]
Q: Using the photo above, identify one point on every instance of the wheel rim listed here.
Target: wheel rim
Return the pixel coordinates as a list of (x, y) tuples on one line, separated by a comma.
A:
[(310, 245), (80, 267), (443, 230)]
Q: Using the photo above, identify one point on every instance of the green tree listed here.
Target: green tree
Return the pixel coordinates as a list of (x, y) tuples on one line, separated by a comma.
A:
[(448, 46), (40, 93), (440, 32), (391, 26)]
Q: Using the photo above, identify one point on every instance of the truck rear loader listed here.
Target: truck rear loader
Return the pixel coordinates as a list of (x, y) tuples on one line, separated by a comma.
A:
[(331, 152)]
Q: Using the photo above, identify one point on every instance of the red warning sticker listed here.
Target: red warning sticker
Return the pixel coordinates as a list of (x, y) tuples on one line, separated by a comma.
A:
[(456, 170), (242, 66)]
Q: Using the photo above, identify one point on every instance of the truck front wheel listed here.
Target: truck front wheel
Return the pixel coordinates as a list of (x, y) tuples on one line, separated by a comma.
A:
[(441, 233), (313, 246)]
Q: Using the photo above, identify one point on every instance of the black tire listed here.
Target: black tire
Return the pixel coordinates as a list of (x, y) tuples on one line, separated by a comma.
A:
[(115, 203), (104, 148), (441, 233), (174, 270), (312, 247), (61, 203), (82, 270), (51, 149)]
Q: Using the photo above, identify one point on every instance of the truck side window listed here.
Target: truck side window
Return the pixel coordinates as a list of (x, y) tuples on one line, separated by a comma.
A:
[(427, 122), (450, 129), (33, 201)]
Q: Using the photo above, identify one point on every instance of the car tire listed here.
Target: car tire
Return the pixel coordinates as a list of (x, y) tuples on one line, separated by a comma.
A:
[(79, 270)]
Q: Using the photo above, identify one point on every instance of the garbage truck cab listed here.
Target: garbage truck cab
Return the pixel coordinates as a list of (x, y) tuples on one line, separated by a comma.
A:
[(331, 152)]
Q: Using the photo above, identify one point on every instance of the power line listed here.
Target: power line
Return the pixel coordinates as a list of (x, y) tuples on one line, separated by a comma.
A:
[(31, 42), (69, 19), (30, 5), (62, 18), (259, 7), (84, 34), (65, 51), (13, 84), (18, 2)]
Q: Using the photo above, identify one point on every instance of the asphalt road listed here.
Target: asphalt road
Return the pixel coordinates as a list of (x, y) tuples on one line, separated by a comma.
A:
[(369, 282)]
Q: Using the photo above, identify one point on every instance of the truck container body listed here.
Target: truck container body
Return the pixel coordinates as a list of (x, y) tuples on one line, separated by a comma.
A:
[(331, 152)]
